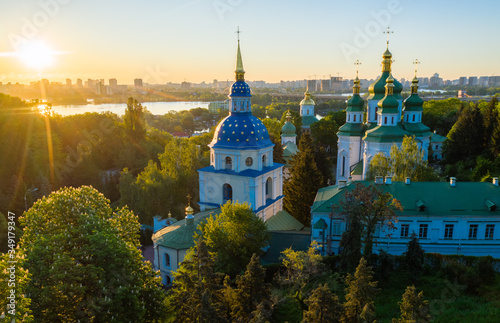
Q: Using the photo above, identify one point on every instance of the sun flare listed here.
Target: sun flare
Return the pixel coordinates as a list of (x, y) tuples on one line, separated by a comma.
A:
[(36, 54)]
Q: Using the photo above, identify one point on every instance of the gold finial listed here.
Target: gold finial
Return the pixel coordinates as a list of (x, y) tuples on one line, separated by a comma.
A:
[(416, 62), (389, 85), (388, 32), (357, 67), (288, 116), (240, 72)]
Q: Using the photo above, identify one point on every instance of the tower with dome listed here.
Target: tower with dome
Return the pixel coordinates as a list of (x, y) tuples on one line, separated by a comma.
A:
[(307, 112), (388, 121), (241, 158)]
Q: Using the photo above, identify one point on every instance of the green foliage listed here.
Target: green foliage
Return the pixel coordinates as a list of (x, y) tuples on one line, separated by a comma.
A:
[(323, 306), (407, 161), (133, 120), (361, 291), (300, 266), (305, 180), (442, 114), (84, 261), (415, 256), (251, 292), (364, 208), (234, 235), (196, 294), (414, 308), (273, 127)]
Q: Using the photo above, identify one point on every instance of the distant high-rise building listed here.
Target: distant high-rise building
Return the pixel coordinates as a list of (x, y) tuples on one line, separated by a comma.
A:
[(325, 85), (91, 84), (472, 80), (113, 82), (138, 82), (185, 85), (494, 81), (462, 80), (215, 84), (435, 80), (79, 82), (311, 85), (68, 82)]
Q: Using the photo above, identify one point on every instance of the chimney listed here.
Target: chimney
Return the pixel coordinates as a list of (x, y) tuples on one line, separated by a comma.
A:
[(342, 183), (453, 181), (407, 181), (379, 180), (388, 180), (495, 181)]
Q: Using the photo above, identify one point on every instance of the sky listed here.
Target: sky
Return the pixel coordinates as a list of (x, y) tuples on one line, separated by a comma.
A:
[(164, 41)]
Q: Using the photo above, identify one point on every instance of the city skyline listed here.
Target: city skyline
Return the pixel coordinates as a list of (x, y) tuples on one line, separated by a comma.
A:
[(174, 41)]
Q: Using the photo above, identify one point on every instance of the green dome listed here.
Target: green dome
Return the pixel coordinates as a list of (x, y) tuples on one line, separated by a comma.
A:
[(377, 88), (389, 104), (288, 130), (355, 103), (414, 103)]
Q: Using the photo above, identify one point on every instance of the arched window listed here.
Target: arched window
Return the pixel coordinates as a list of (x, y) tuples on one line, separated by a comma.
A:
[(349, 118), (392, 120), (269, 188), (227, 193), (168, 280), (229, 163), (413, 118), (385, 120), (354, 118), (166, 260), (376, 109), (343, 166), (264, 161)]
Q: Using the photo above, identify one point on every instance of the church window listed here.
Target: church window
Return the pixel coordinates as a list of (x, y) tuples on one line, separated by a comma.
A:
[(448, 231), (269, 188), (405, 228), (473, 231), (229, 163), (343, 165), (407, 117), (376, 109), (166, 260), (437, 147), (354, 118), (307, 111), (336, 228), (385, 120), (349, 118), (168, 280), (490, 230), (422, 232), (413, 118), (249, 161), (392, 120), (227, 192), (264, 161)]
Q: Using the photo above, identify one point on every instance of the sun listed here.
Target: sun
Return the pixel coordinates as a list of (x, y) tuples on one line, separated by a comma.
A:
[(36, 54)]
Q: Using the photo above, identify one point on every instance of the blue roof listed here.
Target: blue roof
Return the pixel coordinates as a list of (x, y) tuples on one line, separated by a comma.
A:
[(241, 131), (246, 172), (240, 88)]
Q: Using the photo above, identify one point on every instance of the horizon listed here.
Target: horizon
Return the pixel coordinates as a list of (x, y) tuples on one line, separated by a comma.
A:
[(173, 41)]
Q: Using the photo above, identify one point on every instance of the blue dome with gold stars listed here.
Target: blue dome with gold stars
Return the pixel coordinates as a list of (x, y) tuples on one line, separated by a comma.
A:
[(240, 88), (241, 131)]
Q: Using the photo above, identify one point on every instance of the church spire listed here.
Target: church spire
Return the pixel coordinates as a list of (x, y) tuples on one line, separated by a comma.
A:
[(240, 72), (387, 56), (414, 82)]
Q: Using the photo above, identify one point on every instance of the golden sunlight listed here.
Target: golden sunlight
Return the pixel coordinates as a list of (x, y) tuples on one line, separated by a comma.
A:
[(36, 54)]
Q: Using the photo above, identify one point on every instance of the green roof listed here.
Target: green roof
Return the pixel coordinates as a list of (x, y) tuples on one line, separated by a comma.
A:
[(388, 104), (437, 138), (414, 103), (351, 130), (282, 240), (308, 120), (418, 129), (320, 225), (290, 149), (358, 169), (179, 236), (355, 104), (439, 198), (288, 130), (282, 221), (386, 134), (377, 88)]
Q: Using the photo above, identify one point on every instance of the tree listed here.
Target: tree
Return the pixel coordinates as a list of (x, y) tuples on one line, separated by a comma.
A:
[(365, 207), (466, 138), (323, 306), (305, 180), (196, 294), (84, 261), (234, 235), (300, 266), (413, 307), (360, 292), (490, 116), (251, 290), (407, 161), (414, 257), (325, 131), (133, 120)]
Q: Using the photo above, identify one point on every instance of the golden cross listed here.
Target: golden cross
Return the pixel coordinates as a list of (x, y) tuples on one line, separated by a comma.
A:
[(357, 66), (189, 199), (416, 62), (388, 32), (238, 32)]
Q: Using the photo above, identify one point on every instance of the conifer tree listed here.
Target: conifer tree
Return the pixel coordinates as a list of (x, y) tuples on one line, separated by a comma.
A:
[(196, 295), (466, 137), (324, 164), (305, 180), (490, 117), (323, 306), (262, 313), (350, 244), (251, 290), (360, 292), (414, 258), (414, 308)]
